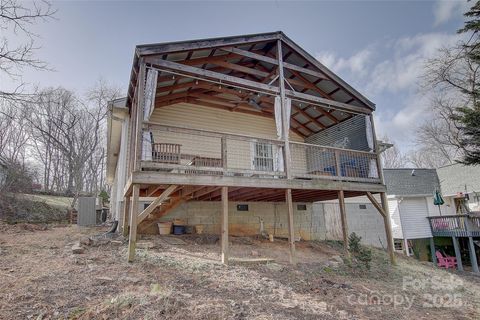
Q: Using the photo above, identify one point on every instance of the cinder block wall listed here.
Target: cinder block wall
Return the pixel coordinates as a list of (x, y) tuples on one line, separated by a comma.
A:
[(320, 221), (309, 225)]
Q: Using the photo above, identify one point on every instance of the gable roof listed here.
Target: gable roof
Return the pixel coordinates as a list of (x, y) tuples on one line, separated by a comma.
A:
[(411, 182), (459, 178), (252, 58)]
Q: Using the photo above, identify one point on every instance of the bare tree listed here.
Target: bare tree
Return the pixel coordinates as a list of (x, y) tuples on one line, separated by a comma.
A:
[(16, 20), (393, 157)]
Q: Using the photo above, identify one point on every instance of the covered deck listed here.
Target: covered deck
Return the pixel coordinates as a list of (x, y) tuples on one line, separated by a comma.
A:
[(265, 76)]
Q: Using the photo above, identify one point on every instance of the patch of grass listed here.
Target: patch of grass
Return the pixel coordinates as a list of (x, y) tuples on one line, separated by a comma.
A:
[(76, 313)]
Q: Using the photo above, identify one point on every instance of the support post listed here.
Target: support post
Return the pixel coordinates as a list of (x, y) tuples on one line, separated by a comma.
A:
[(224, 155), (291, 230), (433, 251), (132, 238), (388, 227), (458, 255), (343, 217), (126, 212), (405, 244), (285, 120), (224, 226), (473, 255)]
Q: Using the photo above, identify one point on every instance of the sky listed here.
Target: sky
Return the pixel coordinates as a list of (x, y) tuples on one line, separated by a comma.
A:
[(379, 47)]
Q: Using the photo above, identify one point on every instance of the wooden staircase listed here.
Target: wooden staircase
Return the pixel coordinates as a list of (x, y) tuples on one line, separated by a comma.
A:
[(148, 224)]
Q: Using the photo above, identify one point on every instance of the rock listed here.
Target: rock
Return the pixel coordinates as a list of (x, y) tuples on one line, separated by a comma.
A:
[(116, 242), (86, 241), (78, 249), (336, 259), (146, 244), (255, 253), (104, 279)]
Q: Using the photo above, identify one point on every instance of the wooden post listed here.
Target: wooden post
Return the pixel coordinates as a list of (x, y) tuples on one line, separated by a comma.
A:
[(432, 251), (458, 255), (126, 212), (285, 120), (291, 230), (132, 238), (405, 244), (388, 227), (473, 255), (139, 116), (343, 217), (224, 155), (224, 226)]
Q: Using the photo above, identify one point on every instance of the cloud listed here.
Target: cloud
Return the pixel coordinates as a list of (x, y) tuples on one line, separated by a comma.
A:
[(388, 73), (357, 63), (445, 10)]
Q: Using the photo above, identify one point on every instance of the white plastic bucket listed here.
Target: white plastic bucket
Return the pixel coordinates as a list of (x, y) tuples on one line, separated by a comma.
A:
[(164, 227)]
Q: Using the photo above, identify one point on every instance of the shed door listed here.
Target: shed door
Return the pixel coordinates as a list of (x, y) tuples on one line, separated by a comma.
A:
[(413, 215)]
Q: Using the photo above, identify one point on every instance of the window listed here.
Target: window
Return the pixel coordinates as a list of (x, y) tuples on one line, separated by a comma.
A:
[(362, 206), (301, 207), (263, 156), (242, 207)]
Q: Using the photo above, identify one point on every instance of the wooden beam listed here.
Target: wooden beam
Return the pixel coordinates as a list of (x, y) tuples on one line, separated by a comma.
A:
[(287, 160), (250, 54), (211, 74), (161, 48), (224, 227), (388, 228), (343, 218), (167, 208), (328, 103), (132, 238), (151, 190), (152, 177), (158, 201), (126, 212), (291, 230), (376, 204)]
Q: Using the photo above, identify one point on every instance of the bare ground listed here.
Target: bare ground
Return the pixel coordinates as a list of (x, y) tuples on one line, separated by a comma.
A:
[(42, 279)]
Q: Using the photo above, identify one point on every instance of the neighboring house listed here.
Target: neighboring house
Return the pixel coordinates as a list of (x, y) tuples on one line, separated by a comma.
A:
[(410, 201), (236, 133), (419, 227), (460, 187)]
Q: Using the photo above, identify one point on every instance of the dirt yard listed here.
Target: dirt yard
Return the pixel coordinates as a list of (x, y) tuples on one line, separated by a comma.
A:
[(181, 278)]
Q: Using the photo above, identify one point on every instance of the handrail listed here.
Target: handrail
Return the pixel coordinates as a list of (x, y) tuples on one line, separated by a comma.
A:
[(333, 148)]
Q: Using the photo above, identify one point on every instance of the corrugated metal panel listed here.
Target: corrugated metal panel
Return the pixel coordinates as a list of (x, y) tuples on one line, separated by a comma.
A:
[(350, 134), (200, 117), (413, 214), (87, 215)]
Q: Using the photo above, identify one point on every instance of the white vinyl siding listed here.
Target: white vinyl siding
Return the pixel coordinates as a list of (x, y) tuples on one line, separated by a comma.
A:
[(414, 213)]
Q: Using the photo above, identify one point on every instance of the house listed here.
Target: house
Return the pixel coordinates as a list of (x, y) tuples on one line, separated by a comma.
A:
[(419, 227), (410, 201), (237, 134), (460, 187)]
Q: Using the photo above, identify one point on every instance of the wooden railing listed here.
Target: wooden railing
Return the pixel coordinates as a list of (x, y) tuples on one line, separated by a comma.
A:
[(455, 225), (192, 151)]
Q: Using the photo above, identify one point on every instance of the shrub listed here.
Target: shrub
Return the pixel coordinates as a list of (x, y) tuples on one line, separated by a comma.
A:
[(362, 256)]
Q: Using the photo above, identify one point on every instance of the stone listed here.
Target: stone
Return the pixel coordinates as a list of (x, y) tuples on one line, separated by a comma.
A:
[(255, 253), (86, 241), (146, 244), (77, 249), (337, 259), (116, 242)]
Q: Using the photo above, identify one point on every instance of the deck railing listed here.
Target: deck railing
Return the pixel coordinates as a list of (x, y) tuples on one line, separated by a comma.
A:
[(314, 161), (197, 152), (455, 225)]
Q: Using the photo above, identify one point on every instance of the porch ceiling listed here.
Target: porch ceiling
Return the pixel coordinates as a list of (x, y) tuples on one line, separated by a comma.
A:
[(253, 59)]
